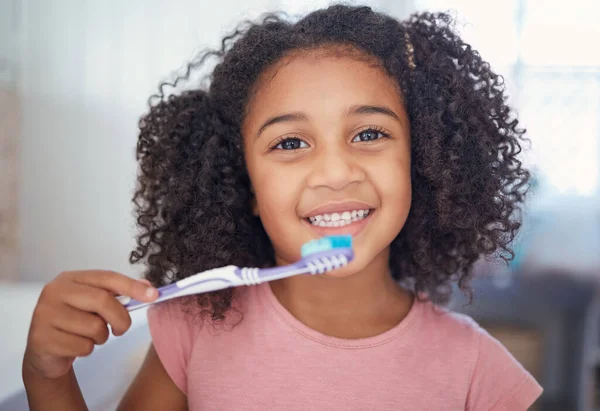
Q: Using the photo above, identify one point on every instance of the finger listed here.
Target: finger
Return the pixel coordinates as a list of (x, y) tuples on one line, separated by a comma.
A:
[(81, 323), (142, 280), (102, 302), (145, 281), (117, 283), (63, 344)]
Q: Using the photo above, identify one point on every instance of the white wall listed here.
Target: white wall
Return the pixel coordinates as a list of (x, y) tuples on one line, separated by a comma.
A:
[(86, 71), (9, 124)]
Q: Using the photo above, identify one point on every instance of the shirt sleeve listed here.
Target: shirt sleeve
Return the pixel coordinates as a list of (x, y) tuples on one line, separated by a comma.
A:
[(173, 338), (499, 382)]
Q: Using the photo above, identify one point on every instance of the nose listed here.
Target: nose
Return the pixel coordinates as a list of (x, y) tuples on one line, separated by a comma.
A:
[(335, 168)]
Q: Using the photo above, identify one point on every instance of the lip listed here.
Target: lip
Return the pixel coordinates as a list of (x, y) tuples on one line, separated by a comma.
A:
[(338, 208), (353, 229)]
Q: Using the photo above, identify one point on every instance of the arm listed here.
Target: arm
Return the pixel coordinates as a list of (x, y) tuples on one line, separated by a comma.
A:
[(53, 394), (153, 389)]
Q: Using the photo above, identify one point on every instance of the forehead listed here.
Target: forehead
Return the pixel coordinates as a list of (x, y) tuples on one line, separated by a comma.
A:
[(337, 75)]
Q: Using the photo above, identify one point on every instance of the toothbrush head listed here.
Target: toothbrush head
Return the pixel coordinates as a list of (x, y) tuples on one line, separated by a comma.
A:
[(326, 243)]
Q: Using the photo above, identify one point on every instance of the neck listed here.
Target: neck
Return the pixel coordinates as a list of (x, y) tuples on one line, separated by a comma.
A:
[(363, 304)]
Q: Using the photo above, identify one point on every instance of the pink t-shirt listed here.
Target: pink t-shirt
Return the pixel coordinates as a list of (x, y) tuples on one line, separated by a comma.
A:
[(434, 359)]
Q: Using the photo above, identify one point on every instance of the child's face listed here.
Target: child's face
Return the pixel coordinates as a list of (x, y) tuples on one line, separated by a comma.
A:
[(327, 157)]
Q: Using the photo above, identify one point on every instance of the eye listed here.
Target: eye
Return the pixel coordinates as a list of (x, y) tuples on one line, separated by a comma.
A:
[(292, 143), (370, 134)]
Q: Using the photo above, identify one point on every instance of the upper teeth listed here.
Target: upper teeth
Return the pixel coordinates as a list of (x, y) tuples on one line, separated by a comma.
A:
[(338, 219)]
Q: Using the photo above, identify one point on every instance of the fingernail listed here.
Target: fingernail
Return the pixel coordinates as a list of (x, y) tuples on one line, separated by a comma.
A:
[(150, 292)]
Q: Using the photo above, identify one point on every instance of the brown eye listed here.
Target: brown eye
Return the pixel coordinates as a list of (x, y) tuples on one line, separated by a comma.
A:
[(290, 144), (369, 134)]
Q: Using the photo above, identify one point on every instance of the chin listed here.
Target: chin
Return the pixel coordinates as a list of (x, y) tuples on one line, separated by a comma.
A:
[(352, 268)]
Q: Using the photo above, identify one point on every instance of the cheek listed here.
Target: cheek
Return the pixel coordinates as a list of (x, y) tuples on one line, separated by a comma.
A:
[(394, 187), (276, 197)]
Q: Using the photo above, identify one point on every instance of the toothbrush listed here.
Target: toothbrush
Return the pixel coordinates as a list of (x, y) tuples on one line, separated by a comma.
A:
[(318, 257)]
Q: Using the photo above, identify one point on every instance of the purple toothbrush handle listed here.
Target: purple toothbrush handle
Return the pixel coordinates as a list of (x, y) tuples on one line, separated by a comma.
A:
[(168, 290), (316, 263)]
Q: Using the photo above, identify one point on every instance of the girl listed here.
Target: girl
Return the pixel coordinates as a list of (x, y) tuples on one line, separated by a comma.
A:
[(346, 122)]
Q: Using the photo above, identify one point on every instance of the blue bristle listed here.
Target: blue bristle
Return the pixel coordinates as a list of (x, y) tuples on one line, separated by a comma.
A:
[(326, 243)]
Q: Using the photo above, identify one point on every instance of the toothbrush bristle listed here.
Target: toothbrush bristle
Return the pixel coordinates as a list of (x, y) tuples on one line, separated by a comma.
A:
[(327, 263), (326, 243)]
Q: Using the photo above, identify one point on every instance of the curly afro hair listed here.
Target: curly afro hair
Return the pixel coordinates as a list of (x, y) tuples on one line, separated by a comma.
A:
[(192, 201)]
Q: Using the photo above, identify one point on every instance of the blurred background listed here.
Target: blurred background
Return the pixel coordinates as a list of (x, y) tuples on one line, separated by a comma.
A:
[(75, 77)]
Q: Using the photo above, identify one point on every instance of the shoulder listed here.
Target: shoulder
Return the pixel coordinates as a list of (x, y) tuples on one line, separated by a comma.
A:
[(494, 379), (172, 333), (184, 320), (174, 321), (449, 328), (177, 326), (499, 382)]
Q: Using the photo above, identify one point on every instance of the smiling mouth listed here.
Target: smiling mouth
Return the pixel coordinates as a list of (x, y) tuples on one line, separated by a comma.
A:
[(339, 219)]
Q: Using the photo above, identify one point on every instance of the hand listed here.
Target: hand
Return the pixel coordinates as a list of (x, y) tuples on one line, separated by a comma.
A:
[(72, 316)]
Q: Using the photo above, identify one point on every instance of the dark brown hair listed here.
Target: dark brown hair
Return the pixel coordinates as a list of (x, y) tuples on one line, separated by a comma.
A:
[(193, 196)]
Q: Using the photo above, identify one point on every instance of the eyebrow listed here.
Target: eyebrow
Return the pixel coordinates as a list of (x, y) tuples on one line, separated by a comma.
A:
[(351, 111)]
